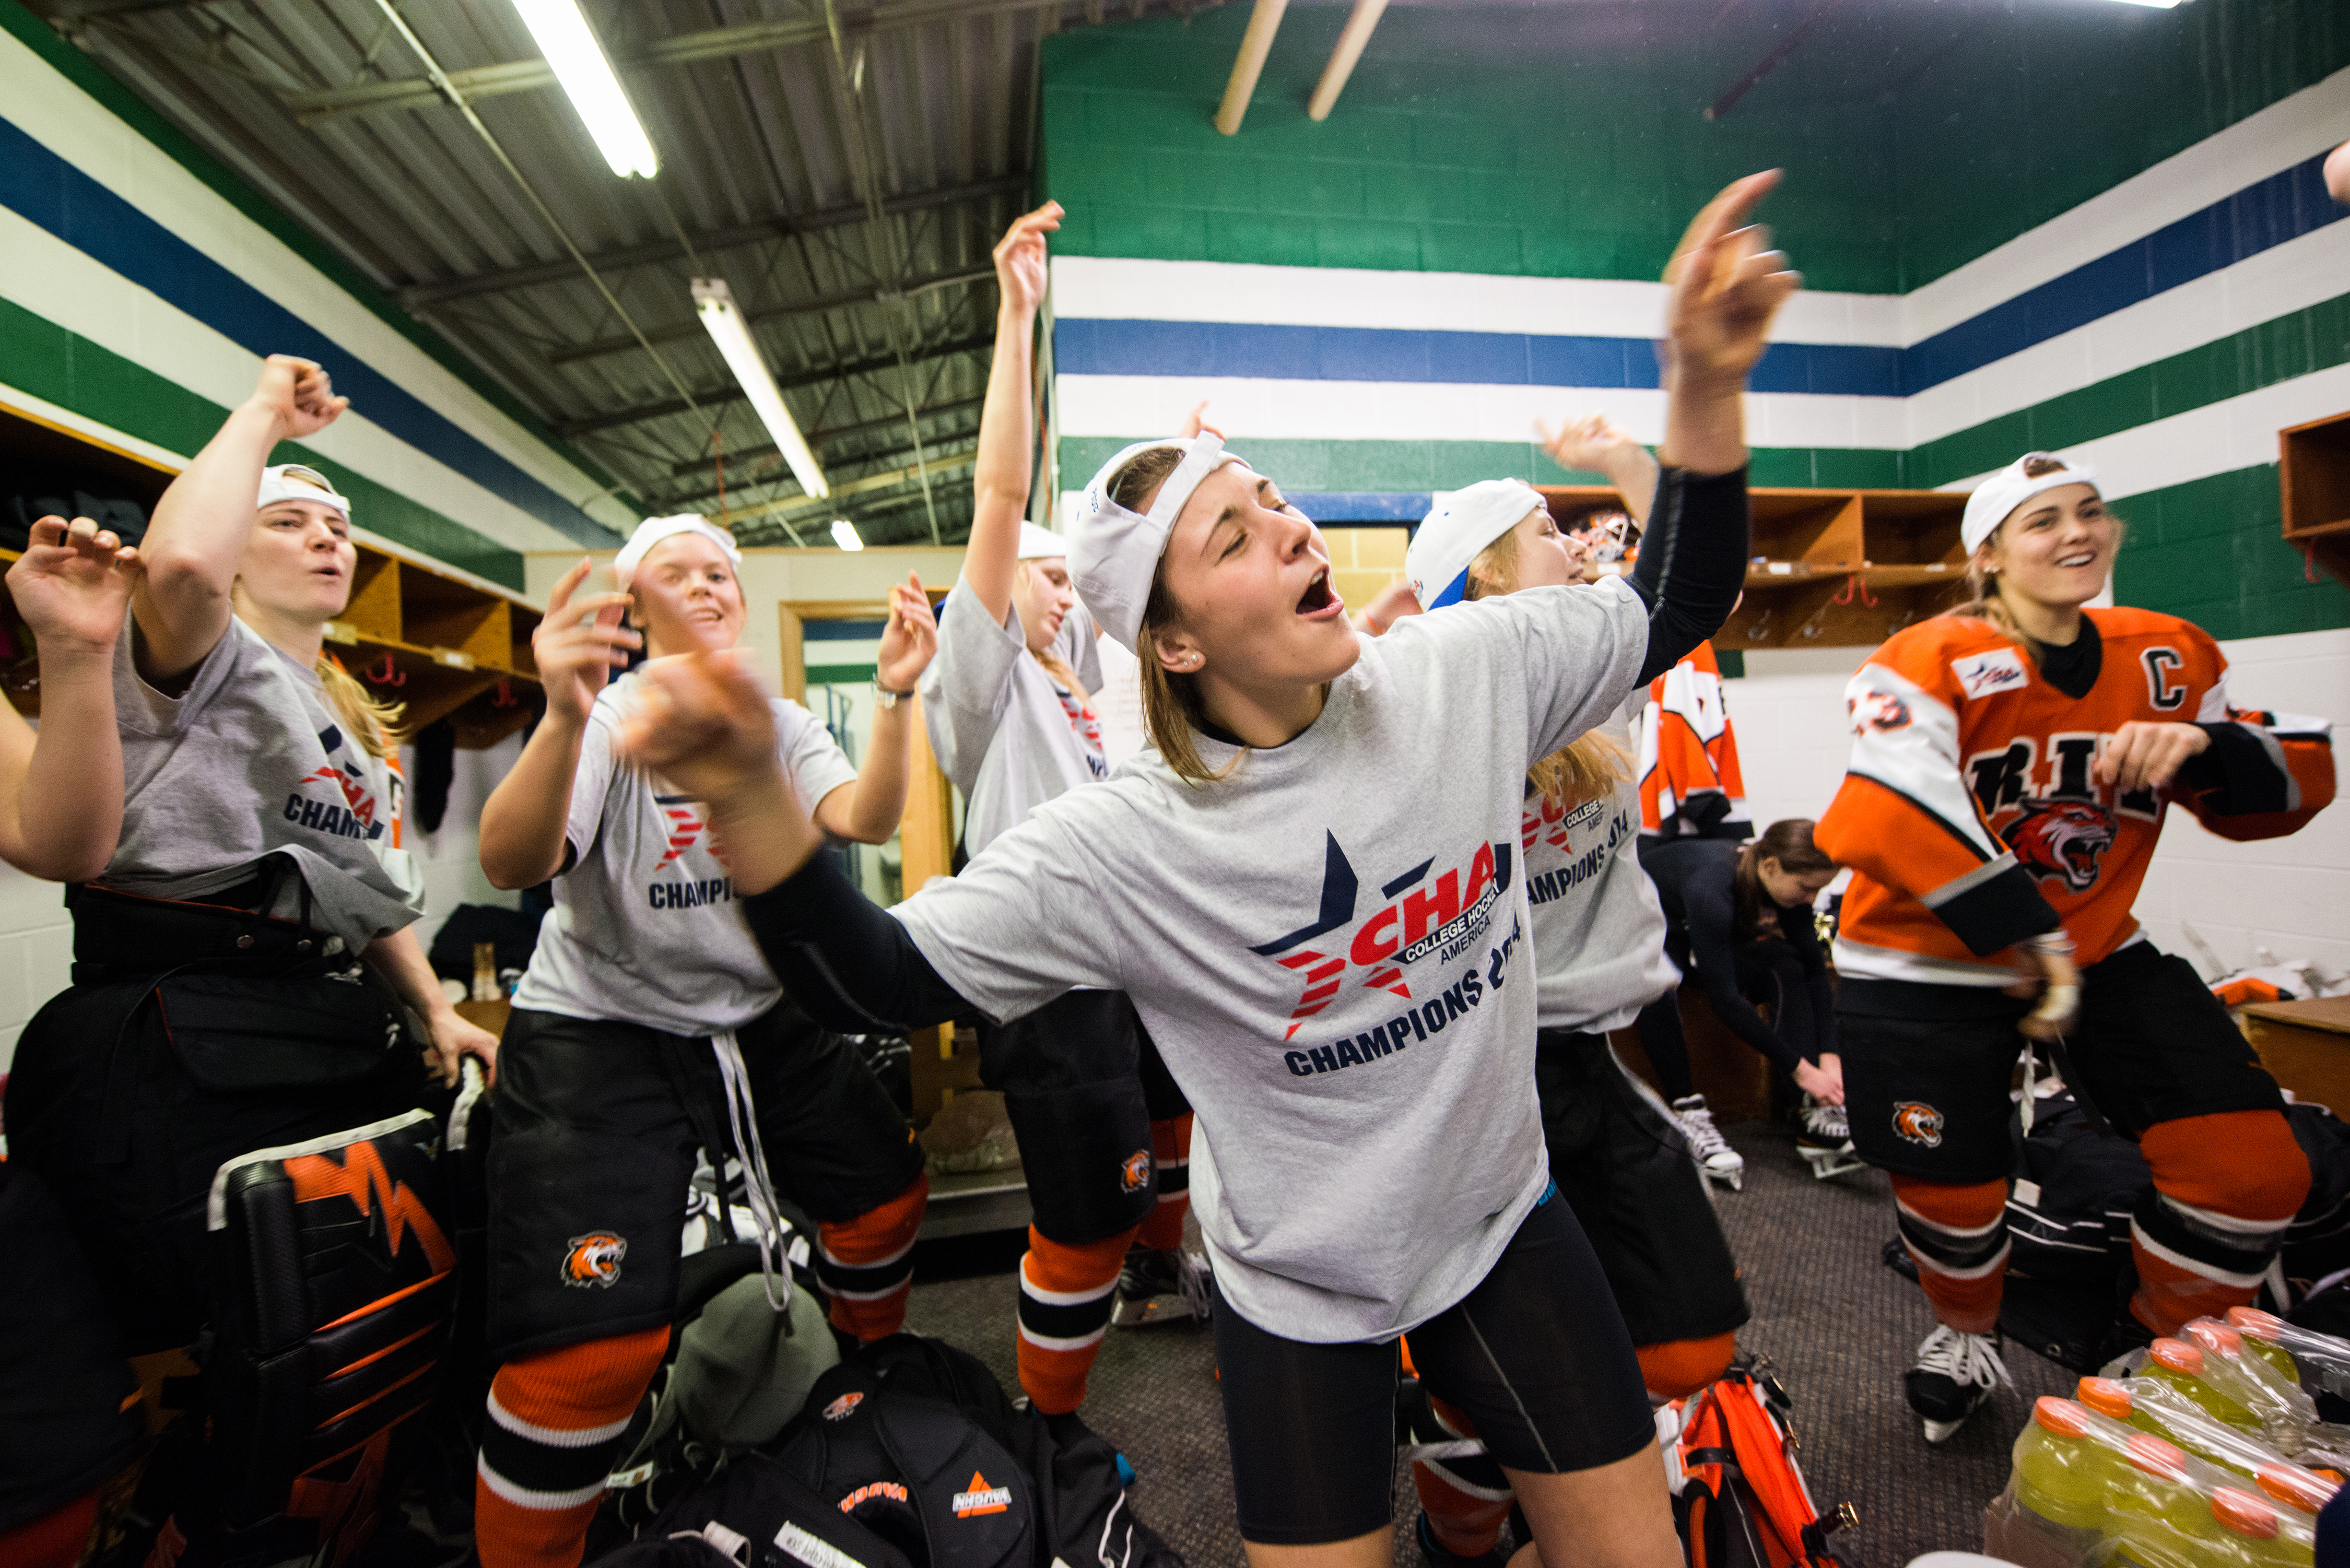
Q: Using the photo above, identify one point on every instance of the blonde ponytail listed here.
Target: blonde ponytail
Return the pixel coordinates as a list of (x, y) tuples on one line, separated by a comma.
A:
[(1590, 765), (372, 722)]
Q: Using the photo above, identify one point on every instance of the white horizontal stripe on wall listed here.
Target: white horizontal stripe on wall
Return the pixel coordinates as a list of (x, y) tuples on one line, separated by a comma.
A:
[(2268, 143), (1407, 411), (2291, 277), (51, 110), (65, 286)]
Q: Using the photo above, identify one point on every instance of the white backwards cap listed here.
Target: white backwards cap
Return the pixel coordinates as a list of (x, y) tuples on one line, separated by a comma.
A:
[(294, 482), (2009, 488), (1437, 564), (1040, 543), (1114, 552), (653, 530)]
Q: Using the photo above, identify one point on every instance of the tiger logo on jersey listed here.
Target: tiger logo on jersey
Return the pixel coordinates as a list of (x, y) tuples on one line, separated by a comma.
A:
[(2063, 838), (1917, 1122), (1875, 710), (1134, 1171), (594, 1260)]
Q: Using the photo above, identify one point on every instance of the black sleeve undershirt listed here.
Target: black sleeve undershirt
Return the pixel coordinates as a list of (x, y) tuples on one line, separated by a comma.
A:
[(847, 963), (1692, 562)]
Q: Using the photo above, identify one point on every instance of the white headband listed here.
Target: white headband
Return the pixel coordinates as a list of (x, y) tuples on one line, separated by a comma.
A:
[(1114, 552), (1457, 531), (653, 530), (1040, 543), (1996, 497), (294, 482)]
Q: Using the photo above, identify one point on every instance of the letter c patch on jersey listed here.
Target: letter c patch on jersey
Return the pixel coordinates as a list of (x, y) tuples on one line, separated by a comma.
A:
[(2164, 689), (1917, 1122), (1989, 674), (594, 1260)]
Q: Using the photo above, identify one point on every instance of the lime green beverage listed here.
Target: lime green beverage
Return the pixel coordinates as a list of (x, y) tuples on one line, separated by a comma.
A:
[(2252, 1536), (2262, 1330), (2180, 1364), (2060, 1475), (2155, 1511)]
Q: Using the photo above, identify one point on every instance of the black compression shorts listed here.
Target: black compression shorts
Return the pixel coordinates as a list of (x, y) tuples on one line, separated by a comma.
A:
[(1536, 1354)]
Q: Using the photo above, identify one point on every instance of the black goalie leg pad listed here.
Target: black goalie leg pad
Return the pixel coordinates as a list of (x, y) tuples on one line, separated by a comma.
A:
[(334, 1277)]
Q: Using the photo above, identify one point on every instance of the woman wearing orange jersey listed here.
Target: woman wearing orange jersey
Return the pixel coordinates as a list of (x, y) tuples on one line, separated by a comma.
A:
[(2011, 767)]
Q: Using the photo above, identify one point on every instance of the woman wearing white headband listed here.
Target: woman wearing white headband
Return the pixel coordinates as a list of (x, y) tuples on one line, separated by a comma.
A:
[(647, 1022), (258, 864), (1105, 1135), (2011, 764), (1618, 1155), (1312, 893)]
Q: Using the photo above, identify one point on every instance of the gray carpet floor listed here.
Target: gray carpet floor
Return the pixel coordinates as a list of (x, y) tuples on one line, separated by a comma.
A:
[(1837, 1326)]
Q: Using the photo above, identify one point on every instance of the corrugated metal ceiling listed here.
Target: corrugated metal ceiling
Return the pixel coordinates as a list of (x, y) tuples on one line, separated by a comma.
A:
[(849, 193)]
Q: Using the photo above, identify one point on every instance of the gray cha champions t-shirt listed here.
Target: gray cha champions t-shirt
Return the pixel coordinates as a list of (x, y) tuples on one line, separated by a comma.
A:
[(1330, 949), (1004, 729), (644, 928), (252, 760), (1599, 932)]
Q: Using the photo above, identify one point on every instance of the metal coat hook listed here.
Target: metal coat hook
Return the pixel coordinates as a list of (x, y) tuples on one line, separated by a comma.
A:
[(1851, 584), (506, 697), (2309, 565), (386, 676)]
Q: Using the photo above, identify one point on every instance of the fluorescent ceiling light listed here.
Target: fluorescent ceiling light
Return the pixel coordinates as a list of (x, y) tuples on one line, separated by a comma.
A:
[(843, 533), (580, 64), (732, 335), (2158, 4)]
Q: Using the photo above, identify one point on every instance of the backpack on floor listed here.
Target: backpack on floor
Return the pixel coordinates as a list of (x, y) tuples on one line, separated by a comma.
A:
[(1739, 1498)]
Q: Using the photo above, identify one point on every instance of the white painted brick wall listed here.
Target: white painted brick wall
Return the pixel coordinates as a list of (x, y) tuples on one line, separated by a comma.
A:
[(2291, 896)]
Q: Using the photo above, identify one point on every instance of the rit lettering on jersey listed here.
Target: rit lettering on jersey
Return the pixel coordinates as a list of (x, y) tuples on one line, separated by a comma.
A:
[(688, 824), (2039, 795), (1425, 914), (359, 814)]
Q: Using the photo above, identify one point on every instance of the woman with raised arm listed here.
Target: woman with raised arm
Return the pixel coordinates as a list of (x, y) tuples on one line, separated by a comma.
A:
[(2012, 760), (1621, 1158), (648, 1025), (1105, 1135), (259, 843), (1313, 893)]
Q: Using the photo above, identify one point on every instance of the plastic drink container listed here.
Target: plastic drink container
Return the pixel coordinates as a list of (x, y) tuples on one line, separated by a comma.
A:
[(2253, 1536), (2180, 1364), (2295, 1487), (2156, 1513), (2060, 1474)]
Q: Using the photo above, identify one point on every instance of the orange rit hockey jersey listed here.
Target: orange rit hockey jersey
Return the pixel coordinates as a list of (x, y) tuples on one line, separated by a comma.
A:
[(1970, 814), (1689, 784)]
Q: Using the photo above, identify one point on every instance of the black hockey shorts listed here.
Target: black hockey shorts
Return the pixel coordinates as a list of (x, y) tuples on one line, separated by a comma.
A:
[(1926, 1067), (596, 1123), (1536, 1354), (1082, 1082), (1624, 1169)]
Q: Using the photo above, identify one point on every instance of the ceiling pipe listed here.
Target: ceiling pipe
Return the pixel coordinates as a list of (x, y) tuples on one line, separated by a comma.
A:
[(1255, 45), (1349, 49)]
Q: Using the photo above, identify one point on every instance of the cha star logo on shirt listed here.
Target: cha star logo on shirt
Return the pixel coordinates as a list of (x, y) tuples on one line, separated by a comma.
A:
[(1423, 914), (982, 1498), (1988, 674)]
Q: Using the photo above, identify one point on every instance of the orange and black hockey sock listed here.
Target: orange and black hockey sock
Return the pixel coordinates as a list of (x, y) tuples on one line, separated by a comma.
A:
[(1467, 1499), (54, 1540), (866, 1264), (1958, 1234), (1676, 1368), (1065, 1296), (1170, 1150), (555, 1428), (2225, 1187)]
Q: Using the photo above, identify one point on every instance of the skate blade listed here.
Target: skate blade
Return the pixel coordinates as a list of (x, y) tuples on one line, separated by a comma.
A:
[(1828, 1162), (1942, 1431), (1149, 1311), (1734, 1178)]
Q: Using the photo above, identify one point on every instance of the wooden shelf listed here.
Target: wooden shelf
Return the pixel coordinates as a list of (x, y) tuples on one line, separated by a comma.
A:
[(1833, 569), (2313, 471), (441, 640)]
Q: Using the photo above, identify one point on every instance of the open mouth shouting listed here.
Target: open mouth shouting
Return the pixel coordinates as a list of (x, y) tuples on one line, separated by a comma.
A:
[(1320, 601)]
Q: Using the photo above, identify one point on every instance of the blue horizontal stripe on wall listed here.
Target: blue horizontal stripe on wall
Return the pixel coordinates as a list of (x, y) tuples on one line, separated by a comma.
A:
[(2257, 218), (47, 190), (1362, 505), (1089, 346)]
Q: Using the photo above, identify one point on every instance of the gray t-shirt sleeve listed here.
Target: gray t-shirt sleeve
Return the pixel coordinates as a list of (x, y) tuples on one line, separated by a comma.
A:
[(969, 683), (1580, 650), (591, 782), (1031, 917), (1084, 647), (811, 756), (142, 707)]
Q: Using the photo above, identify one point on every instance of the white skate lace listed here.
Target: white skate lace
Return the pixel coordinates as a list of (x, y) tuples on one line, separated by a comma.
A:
[(1969, 1360), (1823, 1121), (1705, 1140)]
